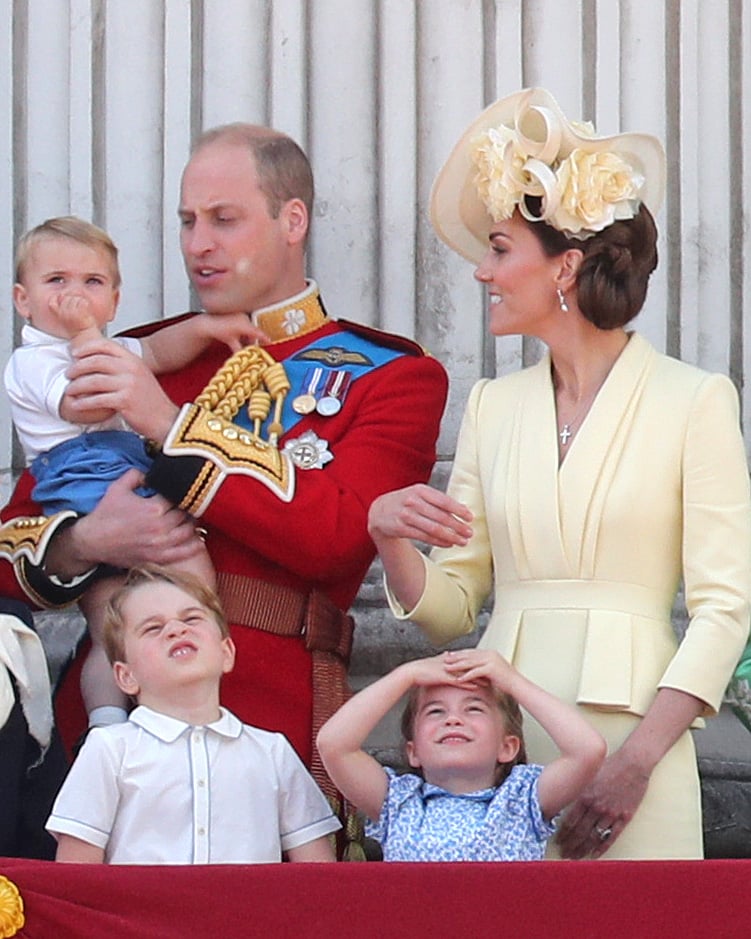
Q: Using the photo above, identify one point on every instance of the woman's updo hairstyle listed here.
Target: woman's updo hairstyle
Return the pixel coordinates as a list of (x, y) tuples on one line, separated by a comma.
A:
[(614, 274)]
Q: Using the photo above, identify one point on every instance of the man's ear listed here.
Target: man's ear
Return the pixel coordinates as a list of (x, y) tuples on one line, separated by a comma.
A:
[(125, 679), (295, 216)]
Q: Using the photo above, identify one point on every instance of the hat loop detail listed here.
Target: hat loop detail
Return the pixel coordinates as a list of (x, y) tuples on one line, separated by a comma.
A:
[(545, 149)]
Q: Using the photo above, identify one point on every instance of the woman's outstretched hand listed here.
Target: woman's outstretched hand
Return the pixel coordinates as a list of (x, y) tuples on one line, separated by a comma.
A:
[(420, 513), (417, 513)]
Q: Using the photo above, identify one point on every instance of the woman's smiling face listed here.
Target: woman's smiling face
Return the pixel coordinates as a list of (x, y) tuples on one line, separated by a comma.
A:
[(521, 280)]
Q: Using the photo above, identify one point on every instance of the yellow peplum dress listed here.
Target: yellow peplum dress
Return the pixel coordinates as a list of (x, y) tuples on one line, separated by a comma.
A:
[(584, 561)]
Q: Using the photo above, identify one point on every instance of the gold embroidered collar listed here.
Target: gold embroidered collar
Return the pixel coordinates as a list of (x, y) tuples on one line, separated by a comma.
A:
[(294, 317)]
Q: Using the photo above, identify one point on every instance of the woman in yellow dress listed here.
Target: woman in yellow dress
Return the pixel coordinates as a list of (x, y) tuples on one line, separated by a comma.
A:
[(587, 486)]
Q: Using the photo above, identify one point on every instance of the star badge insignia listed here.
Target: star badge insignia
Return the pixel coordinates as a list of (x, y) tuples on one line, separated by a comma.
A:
[(308, 451)]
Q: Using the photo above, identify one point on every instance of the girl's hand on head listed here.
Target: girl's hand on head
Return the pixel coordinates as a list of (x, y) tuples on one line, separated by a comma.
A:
[(420, 513), (429, 671), (469, 665)]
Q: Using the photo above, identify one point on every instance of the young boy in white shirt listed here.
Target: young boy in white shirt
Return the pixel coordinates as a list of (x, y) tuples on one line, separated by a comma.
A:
[(183, 781)]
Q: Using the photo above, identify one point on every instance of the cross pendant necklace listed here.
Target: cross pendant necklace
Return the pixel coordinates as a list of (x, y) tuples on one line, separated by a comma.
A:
[(567, 432)]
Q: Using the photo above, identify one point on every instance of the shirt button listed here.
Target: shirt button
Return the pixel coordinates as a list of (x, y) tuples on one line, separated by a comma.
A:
[(201, 783), (202, 832)]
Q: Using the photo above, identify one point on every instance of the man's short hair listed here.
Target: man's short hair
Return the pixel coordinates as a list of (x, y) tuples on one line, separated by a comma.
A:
[(74, 229), (284, 171)]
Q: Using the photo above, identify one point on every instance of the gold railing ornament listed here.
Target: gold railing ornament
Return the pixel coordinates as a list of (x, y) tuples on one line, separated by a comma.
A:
[(11, 908)]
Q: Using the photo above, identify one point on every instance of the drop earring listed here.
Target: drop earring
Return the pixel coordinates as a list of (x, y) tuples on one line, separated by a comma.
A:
[(561, 300)]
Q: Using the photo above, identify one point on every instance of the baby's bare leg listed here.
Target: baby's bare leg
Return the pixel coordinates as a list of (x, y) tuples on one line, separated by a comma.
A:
[(199, 566), (98, 687)]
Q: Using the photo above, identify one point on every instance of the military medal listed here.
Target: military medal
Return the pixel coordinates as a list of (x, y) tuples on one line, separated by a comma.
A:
[(305, 403), (335, 391)]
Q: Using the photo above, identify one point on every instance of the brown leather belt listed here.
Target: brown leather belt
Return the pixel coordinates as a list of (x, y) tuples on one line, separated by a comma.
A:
[(283, 611), (327, 632)]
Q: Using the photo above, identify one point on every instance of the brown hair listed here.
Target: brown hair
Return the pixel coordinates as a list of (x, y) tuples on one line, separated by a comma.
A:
[(114, 619), (613, 277), (512, 718), (74, 229), (284, 170)]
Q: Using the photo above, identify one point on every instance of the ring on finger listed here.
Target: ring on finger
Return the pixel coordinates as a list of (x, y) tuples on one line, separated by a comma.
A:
[(603, 833)]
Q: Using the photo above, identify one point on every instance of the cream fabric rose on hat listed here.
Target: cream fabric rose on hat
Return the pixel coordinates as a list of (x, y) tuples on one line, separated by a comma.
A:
[(500, 178), (595, 190), (582, 192), (524, 146)]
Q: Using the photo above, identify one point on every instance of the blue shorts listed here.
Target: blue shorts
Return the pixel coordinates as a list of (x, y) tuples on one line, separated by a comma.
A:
[(75, 475)]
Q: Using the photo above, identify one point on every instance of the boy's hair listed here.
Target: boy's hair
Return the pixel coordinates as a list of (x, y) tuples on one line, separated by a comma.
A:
[(74, 229), (114, 620), (512, 718)]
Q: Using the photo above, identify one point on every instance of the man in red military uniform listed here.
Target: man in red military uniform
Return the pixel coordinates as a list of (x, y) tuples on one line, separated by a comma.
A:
[(273, 456)]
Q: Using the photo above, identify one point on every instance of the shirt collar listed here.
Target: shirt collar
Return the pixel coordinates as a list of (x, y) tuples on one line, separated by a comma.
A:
[(168, 729), (30, 335), (482, 795)]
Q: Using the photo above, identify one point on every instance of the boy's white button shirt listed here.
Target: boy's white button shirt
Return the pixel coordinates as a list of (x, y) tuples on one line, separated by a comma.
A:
[(155, 790)]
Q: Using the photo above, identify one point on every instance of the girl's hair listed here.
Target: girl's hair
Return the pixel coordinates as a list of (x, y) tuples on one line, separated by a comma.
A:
[(512, 718), (74, 229), (114, 619), (613, 277)]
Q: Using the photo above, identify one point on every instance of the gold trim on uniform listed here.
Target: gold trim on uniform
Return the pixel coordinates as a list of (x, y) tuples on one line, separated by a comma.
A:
[(28, 536), (250, 378), (296, 317), (230, 450)]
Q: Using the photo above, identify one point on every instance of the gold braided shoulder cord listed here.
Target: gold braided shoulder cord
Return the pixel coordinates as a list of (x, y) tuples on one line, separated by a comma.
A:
[(250, 375)]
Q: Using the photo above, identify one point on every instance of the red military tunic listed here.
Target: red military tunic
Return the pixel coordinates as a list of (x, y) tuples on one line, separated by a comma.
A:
[(306, 532)]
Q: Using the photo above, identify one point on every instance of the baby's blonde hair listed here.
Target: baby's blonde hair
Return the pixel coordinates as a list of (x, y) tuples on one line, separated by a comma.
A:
[(74, 229)]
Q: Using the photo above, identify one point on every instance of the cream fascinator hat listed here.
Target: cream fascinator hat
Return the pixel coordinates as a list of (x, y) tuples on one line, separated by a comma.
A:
[(523, 145)]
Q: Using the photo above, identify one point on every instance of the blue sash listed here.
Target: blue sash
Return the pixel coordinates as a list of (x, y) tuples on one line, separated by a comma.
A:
[(345, 350)]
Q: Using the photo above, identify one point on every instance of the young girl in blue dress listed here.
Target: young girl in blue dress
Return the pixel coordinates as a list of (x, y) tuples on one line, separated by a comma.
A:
[(472, 796)]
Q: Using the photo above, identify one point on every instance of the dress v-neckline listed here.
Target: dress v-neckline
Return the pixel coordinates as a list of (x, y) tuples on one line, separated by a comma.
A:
[(553, 511), (564, 455)]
